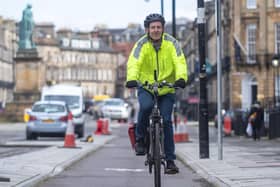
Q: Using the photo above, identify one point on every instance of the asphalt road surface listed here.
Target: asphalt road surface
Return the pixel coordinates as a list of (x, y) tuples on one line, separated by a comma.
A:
[(115, 165)]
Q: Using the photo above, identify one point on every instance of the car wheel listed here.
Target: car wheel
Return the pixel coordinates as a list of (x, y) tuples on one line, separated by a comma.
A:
[(30, 135), (81, 132)]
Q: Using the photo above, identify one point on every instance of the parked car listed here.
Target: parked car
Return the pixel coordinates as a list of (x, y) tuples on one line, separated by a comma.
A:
[(73, 96), (116, 108), (95, 109), (47, 118)]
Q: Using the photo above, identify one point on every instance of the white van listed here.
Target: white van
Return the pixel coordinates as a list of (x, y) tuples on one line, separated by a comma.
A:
[(73, 97)]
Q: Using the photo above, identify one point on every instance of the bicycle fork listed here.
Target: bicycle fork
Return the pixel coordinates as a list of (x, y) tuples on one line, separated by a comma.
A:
[(155, 120)]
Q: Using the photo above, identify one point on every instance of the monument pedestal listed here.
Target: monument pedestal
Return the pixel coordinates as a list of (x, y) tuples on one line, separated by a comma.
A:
[(30, 78)]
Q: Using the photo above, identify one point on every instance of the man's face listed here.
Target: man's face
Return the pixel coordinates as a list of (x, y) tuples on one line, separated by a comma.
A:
[(155, 30)]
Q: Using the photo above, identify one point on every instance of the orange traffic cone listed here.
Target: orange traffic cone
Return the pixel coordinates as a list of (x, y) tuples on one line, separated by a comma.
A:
[(176, 135), (227, 125), (99, 126), (106, 126), (69, 140), (184, 132), (181, 134), (131, 134)]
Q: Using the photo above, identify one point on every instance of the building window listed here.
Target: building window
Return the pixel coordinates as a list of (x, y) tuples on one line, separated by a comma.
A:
[(277, 51), (99, 72), (251, 43), (277, 38), (95, 74), (251, 4), (277, 3), (110, 77), (60, 74), (104, 77)]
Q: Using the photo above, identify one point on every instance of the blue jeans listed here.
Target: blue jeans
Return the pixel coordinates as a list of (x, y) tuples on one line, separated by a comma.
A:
[(165, 103)]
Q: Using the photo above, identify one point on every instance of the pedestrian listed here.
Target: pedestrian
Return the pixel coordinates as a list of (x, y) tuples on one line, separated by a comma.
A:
[(160, 52), (256, 118)]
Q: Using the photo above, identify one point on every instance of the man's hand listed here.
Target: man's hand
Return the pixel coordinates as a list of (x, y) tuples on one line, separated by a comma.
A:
[(180, 83), (131, 84)]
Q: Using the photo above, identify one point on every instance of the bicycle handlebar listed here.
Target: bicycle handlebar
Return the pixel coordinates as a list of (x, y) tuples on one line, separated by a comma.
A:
[(154, 86)]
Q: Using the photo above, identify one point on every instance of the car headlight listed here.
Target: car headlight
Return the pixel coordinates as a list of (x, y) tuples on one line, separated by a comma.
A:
[(30, 124), (78, 115)]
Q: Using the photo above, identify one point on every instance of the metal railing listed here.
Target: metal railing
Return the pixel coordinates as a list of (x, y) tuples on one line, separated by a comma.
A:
[(254, 60), (274, 123)]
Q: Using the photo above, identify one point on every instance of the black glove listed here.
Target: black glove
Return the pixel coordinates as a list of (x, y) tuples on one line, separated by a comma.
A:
[(181, 83), (131, 84)]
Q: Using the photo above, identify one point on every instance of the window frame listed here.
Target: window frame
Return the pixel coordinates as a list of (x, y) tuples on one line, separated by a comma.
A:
[(251, 45), (277, 38), (277, 3), (251, 4)]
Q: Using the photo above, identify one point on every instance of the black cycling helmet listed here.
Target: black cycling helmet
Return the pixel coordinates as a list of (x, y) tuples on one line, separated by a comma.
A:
[(152, 18)]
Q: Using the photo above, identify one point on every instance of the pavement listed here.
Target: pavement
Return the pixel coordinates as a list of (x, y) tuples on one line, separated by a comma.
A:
[(31, 168), (245, 162)]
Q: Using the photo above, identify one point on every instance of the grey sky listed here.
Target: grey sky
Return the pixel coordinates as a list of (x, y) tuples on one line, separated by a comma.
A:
[(85, 14)]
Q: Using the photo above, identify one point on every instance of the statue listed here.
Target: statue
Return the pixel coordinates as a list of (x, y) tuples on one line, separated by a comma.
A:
[(26, 26)]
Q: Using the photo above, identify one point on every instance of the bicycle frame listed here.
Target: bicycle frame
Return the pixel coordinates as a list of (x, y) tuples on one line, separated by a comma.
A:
[(155, 156), (155, 148)]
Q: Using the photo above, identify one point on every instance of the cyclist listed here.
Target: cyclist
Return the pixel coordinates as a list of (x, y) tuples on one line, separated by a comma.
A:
[(159, 51)]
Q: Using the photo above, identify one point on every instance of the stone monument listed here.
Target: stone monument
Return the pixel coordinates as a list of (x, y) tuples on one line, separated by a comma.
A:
[(26, 46), (28, 69)]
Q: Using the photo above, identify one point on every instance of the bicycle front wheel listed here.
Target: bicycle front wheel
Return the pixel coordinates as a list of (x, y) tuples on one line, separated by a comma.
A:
[(157, 157)]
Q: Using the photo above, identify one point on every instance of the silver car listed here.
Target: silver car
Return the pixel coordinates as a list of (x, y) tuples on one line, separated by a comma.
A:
[(116, 108), (47, 118)]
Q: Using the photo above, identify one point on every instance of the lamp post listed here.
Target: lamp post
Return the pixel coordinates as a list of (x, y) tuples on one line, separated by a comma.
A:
[(173, 15), (275, 63), (203, 102), (162, 9), (161, 6), (173, 19)]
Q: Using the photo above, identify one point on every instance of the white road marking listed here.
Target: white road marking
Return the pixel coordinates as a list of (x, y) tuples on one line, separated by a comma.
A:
[(124, 170)]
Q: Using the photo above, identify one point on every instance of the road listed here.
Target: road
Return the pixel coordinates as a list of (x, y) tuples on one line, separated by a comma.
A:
[(16, 132), (116, 165), (116, 161)]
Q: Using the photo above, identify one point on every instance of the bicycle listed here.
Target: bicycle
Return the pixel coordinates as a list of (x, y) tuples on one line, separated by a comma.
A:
[(154, 141)]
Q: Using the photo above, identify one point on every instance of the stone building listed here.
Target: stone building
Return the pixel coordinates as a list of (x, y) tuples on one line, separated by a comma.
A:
[(255, 38), (250, 38), (80, 58), (7, 51), (211, 56), (191, 50), (123, 40), (190, 105)]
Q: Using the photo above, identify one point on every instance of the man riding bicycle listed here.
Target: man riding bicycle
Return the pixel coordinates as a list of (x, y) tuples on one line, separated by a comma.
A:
[(158, 52)]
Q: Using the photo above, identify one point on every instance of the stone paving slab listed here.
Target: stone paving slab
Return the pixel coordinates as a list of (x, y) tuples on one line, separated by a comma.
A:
[(30, 168), (250, 165), (245, 162)]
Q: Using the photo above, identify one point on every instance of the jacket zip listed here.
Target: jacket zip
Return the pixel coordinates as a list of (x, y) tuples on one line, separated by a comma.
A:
[(157, 64)]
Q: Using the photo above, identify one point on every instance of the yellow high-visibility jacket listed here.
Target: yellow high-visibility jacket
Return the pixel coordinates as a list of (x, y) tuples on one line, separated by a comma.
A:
[(171, 64)]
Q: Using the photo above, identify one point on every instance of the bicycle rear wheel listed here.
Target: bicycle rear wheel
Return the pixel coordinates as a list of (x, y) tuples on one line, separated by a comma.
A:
[(157, 157)]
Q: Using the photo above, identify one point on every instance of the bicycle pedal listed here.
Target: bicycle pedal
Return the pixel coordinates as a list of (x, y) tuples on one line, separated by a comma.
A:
[(146, 162)]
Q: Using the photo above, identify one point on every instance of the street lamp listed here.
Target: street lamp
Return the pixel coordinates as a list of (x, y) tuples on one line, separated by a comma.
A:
[(173, 15), (161, 7), (275, 63)]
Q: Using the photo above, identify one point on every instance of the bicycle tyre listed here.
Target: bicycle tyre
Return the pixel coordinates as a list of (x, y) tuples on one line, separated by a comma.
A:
[(157, 157)]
